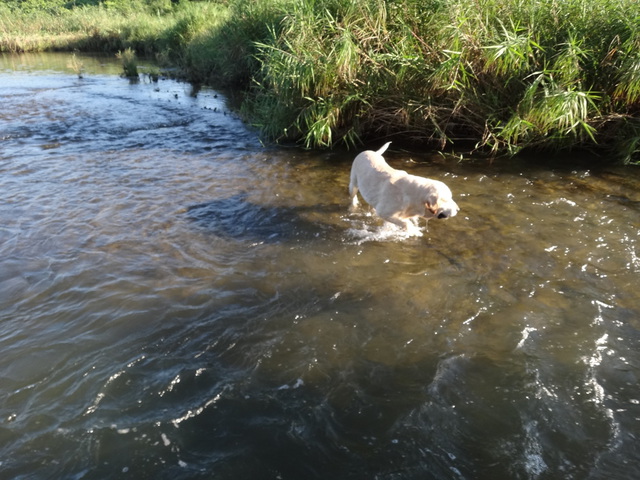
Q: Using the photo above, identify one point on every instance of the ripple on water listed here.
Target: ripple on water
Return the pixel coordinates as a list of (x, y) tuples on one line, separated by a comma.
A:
[(178, 301)]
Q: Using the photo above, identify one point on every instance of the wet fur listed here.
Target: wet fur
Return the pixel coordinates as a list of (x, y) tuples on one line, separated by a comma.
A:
[(396, 196)]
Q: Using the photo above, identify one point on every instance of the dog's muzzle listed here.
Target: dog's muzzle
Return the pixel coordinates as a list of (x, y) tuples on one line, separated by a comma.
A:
[(442, 215)]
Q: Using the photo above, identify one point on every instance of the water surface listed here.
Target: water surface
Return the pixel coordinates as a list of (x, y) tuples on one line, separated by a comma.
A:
[(179, 301)]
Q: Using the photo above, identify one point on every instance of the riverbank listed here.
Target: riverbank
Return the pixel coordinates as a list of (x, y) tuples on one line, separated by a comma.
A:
[(499, 75)]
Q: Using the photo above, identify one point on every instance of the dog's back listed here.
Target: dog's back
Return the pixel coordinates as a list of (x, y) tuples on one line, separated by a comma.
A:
[(369, 168)]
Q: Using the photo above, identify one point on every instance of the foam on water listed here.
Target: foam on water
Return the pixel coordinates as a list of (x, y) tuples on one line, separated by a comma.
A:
[(368, 228)]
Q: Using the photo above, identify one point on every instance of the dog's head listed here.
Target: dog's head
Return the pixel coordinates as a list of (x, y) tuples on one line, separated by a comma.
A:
[(439, 202)]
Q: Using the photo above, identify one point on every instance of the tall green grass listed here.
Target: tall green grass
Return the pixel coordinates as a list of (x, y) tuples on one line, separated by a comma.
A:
[(502, 75), (493, 76)]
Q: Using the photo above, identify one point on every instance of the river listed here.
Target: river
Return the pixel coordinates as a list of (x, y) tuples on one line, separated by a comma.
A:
[(178, 301)]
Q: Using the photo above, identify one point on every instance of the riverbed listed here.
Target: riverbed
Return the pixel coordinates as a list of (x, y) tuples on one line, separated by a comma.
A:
[(180, 301)]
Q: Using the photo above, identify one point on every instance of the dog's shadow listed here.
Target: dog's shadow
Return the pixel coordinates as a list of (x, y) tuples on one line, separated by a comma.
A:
[(238, 218)]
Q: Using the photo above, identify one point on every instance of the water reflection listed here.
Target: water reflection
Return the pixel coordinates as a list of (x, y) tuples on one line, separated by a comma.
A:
[(179, 301)]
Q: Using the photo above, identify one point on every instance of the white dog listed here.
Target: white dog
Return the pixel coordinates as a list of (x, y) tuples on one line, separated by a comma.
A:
[(395, 195)]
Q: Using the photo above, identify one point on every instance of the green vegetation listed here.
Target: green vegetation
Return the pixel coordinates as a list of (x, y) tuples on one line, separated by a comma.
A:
[(76, 65), (152, 27), (496, 75), (129, 63)]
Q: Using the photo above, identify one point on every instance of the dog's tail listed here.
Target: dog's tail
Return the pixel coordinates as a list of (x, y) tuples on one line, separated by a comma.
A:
[(383, 148)]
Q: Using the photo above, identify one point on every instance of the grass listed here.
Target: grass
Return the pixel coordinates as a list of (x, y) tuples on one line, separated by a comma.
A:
[(149, 28), (129, 63), (504, 75), (76, 65), (491, 76)]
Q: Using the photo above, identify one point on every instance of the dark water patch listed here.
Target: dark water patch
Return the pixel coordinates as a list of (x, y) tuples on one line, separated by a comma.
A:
[(238, 218)]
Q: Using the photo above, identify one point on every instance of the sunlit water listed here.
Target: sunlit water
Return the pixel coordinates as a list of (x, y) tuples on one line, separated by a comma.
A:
[(178, 301)]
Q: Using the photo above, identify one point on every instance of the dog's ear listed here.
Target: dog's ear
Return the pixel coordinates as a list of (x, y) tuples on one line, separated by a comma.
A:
[(432, 204), (431, 208)]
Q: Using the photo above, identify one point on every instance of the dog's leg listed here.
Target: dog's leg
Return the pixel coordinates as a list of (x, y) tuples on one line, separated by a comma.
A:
[(354, 198), (409, 225), (413, 227), (353, 192), (401, 222)]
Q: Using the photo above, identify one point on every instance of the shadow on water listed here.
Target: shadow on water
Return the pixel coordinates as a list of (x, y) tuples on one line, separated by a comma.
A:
[(238, 218)]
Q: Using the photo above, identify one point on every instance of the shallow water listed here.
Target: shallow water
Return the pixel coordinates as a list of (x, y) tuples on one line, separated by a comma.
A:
[(178, 301)]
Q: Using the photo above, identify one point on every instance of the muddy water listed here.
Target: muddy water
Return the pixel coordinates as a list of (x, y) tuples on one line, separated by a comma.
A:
[(178, 301)]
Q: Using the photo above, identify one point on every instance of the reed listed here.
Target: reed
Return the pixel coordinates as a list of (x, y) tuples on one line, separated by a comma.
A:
[(129, 63), (502, 74), (76, 65)]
